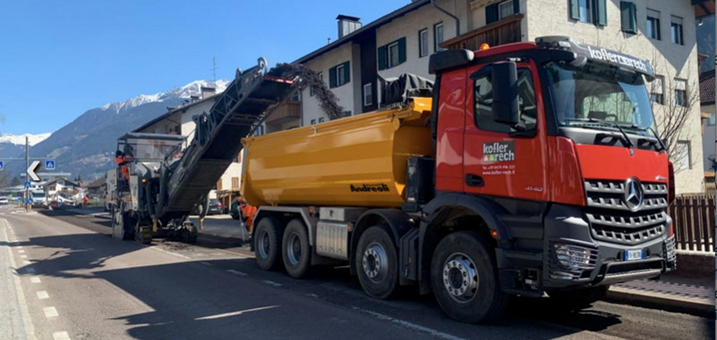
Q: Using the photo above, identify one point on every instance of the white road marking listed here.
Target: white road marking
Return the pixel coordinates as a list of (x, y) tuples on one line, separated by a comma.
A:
[(20, 251), (30, 270), (409, 325), (35, 279), (19, 247), (43, 295), (207, 264), (50, 312), (219, 316), (26, 262), (236, 272), (61, 336), (20, 295), (272, 283), (23, 256)]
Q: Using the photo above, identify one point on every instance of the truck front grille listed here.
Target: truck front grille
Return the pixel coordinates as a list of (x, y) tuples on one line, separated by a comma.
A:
[(611, 220)]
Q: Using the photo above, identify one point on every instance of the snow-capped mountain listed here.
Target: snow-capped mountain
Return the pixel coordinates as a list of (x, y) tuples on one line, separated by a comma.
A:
[(86, 146), (185, 92), (20, 139)]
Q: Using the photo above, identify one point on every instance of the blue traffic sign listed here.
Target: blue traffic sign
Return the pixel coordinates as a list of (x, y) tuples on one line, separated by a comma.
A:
[(2, 165), (27, 184), (50, 165), (29, 200), (19, 199)]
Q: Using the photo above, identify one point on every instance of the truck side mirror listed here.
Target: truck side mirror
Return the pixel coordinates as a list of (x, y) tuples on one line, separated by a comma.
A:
[(504, 77)]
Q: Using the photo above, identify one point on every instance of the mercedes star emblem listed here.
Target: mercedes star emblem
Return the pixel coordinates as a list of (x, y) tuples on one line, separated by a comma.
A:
[(634, 195)]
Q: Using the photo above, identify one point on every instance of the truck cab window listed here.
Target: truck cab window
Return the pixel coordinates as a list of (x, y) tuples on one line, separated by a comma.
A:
[(483, 91)]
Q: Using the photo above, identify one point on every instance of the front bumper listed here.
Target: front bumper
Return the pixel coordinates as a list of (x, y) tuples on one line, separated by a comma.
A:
[(573, 258)]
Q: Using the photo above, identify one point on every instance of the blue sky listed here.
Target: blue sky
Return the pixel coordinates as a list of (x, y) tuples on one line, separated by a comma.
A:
[(62, 58)]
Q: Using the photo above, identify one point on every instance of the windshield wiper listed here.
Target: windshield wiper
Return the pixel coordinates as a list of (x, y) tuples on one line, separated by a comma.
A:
[(604, 122)]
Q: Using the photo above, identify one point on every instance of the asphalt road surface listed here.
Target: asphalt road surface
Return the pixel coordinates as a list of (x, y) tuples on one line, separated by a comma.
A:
[(63, 277)]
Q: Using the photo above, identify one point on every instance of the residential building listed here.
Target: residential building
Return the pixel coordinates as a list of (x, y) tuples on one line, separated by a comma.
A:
[(661, 31), (707, 106)]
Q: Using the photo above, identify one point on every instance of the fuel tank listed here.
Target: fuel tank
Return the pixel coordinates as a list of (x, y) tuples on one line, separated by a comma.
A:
[(354, 161)]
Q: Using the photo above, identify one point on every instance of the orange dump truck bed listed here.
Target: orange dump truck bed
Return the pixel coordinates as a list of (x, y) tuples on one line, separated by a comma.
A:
[(355, 161)]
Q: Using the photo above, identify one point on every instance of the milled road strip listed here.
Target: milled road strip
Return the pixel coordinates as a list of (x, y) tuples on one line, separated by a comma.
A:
[(17, 293)]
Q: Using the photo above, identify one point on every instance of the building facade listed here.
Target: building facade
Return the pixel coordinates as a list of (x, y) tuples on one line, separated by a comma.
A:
[(661, 31)]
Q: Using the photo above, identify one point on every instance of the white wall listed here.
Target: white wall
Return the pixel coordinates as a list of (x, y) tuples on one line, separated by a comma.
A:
[(187, 122), (678, 61), (310, 106)]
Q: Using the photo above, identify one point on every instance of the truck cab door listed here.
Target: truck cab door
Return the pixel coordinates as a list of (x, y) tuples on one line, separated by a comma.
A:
[(500, 160)]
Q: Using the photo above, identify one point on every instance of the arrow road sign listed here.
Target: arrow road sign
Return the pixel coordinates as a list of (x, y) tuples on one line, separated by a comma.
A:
[(50, 165), (31, 171), (27, 184)]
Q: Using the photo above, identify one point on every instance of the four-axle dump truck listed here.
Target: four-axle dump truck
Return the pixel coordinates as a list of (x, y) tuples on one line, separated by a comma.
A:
[(533, 168)]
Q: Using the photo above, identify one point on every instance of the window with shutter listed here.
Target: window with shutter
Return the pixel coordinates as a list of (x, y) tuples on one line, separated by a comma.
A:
[(628, 17), (600, 12), (382, 57), (332, 77)]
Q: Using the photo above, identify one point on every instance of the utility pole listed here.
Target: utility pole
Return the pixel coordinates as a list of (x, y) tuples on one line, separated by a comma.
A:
[(27, 165)]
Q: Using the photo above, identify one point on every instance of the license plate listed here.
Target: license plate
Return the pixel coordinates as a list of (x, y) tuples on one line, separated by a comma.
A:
[(633, 255)]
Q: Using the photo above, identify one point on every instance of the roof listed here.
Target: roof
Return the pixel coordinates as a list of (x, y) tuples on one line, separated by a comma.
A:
[(144, 135), (703, 8), (707, 87), (172, 111), (361, 32), (96, 183)]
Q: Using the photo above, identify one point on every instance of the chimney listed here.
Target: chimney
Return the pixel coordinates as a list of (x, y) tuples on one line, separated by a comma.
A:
[(208, 92), (193, 98), (347, 25)]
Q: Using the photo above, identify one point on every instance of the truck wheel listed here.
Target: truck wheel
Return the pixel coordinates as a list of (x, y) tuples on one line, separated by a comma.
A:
[(465, 280), (296, 250), (578, 299), (377, 263), (267, 243)]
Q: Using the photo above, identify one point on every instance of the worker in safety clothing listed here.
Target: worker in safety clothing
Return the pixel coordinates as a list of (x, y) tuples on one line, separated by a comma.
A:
[(121, 161), (247, 213)]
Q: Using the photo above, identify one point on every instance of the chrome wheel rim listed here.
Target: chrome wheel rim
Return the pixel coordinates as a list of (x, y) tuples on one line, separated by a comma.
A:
[(293, 249), (375, 262), (460, 277)]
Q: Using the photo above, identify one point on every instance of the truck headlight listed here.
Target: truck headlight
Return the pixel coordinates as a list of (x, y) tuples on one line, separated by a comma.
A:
[(573, 257)]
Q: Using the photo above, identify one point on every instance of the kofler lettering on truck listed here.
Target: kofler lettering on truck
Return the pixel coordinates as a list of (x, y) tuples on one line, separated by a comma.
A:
[(489, 183)]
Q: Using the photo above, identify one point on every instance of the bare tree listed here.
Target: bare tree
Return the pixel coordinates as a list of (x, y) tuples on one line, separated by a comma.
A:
[(673, 102)]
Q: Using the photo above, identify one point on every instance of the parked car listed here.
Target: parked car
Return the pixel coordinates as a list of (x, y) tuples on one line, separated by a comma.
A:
[(215, 207), (4, 200)]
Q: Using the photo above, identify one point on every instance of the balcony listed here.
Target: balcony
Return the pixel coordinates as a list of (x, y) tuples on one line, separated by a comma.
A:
[(289, 111), (501, 32)]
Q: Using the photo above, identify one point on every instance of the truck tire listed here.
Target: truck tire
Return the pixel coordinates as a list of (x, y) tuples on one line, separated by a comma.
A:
[(465, 280), (578, 299), (267, 243), (296, 250), (377, 263)]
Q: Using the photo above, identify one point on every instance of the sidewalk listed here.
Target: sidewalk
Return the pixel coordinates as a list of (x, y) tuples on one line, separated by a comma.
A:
[(672, 292)]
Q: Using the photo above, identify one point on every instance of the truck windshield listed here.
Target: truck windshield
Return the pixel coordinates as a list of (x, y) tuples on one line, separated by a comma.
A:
[(600, 97)]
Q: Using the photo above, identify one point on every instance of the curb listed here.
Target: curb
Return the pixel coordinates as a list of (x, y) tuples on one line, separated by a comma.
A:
[(653, 300)]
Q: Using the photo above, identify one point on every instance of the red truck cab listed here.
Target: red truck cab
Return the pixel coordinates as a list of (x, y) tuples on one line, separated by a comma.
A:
[(555, 145)]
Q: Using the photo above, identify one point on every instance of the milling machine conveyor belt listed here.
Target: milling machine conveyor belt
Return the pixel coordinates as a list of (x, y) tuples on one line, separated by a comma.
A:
[(217, 138)]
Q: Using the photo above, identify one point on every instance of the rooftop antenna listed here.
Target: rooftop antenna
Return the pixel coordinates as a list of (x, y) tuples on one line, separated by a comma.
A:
[(214, 68)]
